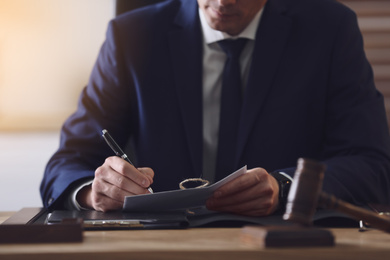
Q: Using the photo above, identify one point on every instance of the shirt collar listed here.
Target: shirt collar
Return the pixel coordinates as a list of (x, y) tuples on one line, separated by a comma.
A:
[(210, 35)]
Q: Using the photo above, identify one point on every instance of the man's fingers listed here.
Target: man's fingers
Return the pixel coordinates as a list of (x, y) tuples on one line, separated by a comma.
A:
[(148, 172), (249, 194), (244, 182), (254, 193), (111, 191), (117, 181), (101, 202), (127, 170), (114, 180)]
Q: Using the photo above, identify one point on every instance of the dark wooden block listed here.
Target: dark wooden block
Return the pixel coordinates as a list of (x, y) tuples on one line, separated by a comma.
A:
[(67, 231), (286, 236)]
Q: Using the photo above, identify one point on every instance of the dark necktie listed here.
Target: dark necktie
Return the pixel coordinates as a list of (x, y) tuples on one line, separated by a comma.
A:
[(231, 103)]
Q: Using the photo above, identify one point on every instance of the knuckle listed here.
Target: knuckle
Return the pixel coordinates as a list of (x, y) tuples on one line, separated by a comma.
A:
[(258, 175), (108, 161), (261, 173), (258, 178), (120, 168), (99, 172), (120, 181)]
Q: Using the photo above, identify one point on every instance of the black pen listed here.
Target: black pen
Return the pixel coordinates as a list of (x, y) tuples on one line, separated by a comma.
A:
[(115, 147), (117, 150)]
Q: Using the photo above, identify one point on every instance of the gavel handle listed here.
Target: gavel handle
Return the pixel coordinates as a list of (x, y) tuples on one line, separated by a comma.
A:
[(373, 219)]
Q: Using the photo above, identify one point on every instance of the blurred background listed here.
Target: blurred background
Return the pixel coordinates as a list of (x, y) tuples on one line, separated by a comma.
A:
[(47, 50)]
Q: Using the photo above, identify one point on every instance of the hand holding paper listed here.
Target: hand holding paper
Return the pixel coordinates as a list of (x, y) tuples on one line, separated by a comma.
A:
[(256, 193), (176, 199)]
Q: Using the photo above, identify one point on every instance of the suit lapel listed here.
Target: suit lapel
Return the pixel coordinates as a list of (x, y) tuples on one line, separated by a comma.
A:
[(186, 50), (271, 38)]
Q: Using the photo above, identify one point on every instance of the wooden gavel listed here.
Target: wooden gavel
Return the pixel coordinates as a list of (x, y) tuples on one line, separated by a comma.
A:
[(305, 195)]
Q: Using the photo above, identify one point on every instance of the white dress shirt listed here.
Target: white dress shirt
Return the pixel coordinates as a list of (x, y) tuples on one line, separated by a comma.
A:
[(213, 63)]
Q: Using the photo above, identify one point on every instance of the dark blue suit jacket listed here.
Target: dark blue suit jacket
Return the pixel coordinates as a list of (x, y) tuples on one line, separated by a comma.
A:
[(310, 93)]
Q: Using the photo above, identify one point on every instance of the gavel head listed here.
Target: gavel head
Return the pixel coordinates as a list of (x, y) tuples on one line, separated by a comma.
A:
[(304, 192)]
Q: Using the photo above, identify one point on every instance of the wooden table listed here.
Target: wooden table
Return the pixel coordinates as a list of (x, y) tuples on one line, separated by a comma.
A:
[(200, 243)]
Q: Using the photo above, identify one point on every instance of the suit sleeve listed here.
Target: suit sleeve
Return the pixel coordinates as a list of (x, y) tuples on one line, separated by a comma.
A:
[(82, 149)]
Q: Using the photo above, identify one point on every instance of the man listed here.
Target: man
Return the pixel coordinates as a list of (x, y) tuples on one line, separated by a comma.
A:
[(307, 92)]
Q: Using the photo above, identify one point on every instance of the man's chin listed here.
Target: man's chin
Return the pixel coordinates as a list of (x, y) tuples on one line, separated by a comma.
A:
[(226, 29)]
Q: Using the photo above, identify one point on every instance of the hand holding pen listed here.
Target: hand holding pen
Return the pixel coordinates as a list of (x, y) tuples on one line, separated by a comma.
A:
[(117, 150), (114, 180)]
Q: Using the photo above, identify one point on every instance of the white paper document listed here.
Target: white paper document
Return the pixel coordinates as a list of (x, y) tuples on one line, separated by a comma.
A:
[(176, 199)]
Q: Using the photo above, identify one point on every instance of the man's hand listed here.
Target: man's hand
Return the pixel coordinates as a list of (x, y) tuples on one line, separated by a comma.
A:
[(255, 193), (114, 180)]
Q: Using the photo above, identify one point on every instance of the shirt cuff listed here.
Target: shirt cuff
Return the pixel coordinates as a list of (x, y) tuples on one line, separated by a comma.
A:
[(286, 175), (73, 195)]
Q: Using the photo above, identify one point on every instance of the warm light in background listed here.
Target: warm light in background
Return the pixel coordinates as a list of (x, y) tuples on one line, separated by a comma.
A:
[(47, 50)]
